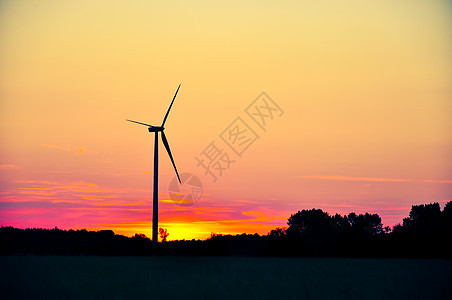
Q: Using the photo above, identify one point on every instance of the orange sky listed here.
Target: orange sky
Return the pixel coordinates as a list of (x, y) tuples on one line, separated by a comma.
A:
[(363, 90)]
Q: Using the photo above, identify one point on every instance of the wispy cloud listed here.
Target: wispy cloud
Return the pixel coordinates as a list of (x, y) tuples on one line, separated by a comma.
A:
[(65, 148), (8, 167), (373, 179), (58, 147), (77, 192)]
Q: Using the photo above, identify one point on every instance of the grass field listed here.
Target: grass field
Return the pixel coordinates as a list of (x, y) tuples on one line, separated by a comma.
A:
[(78, 277)]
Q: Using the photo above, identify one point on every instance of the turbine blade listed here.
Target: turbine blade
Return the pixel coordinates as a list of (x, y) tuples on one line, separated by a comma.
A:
[(166, 116), (140, 123), (165, 142)]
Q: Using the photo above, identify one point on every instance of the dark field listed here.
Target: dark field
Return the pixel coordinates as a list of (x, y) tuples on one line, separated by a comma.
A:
[(90, 277)]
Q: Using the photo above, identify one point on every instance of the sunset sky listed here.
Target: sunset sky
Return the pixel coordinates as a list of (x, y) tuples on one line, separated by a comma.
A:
[(359, 115)]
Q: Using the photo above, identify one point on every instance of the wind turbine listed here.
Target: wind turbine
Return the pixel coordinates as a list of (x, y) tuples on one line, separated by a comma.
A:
[(155, 204)]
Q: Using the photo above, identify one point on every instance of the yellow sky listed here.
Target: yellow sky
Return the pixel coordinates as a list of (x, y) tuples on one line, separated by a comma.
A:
[(365, 87)]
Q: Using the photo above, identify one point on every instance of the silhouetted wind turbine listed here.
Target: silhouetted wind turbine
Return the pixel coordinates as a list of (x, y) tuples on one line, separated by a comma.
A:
[(157, 129)]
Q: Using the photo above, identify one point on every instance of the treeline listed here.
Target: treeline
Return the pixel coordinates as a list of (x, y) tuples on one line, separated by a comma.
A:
[(426, 232), (71, 242)]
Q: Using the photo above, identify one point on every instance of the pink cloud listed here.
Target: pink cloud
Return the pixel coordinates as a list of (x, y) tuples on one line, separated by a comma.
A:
[(372, 179), (8, 167)]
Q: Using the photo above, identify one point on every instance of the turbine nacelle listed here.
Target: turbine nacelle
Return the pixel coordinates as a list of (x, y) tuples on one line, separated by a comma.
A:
[(155, 129)]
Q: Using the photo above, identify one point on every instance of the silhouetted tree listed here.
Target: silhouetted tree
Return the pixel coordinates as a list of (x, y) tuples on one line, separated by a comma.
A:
[(424, 218), (163, 232), (447, 211), (140, 236), (309, 222), (340, 224), (277, 233), (425, 233), (446, 218), (366, 224)]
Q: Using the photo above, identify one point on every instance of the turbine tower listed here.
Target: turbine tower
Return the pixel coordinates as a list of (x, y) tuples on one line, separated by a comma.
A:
[(155, 204)]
